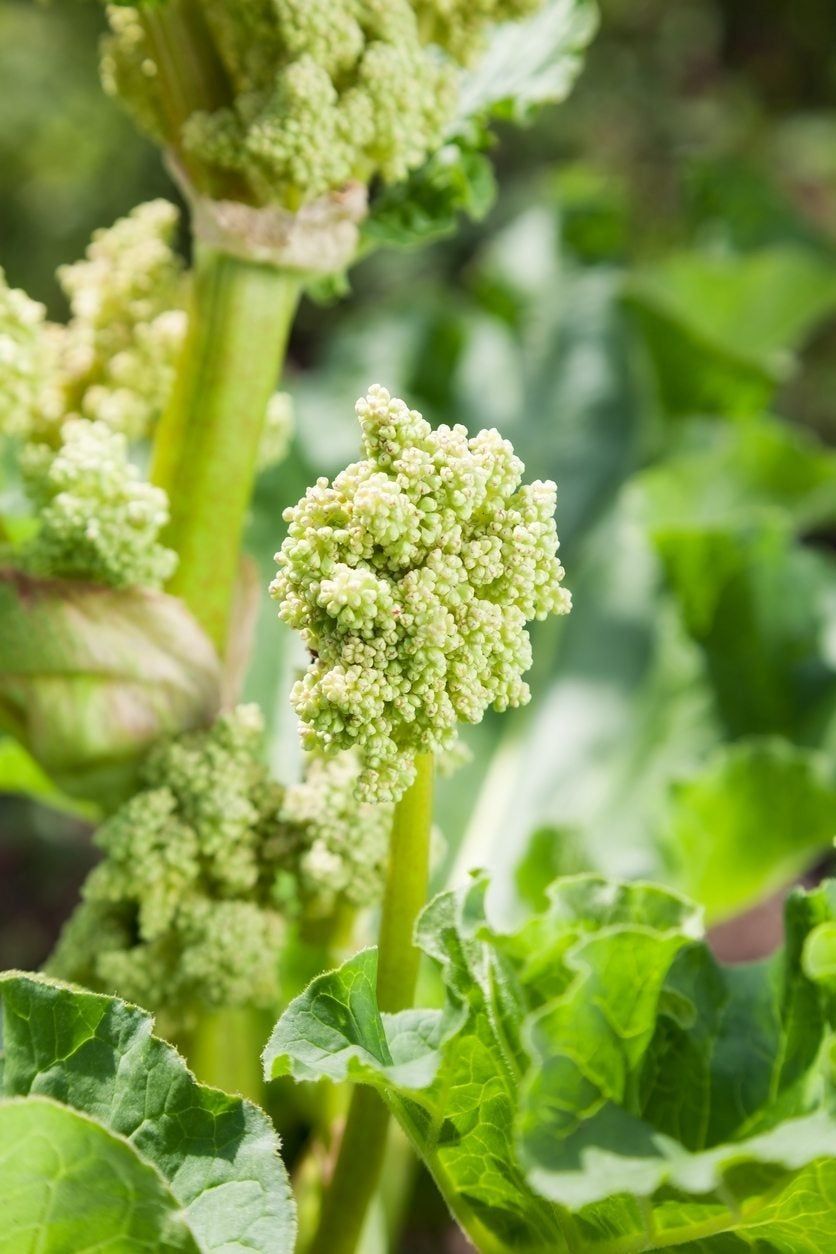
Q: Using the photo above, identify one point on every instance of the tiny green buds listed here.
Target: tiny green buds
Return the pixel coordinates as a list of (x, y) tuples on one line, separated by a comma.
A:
[(178, 914), (411, 579), (25, 360), (113, 361), (205, 863), (99, 520)]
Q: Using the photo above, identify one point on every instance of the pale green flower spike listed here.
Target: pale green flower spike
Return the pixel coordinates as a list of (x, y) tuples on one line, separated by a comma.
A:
[(118, 351), (113, 361), (203, 866), (411, 579), (25, 360), (322, 92), (98, 519)]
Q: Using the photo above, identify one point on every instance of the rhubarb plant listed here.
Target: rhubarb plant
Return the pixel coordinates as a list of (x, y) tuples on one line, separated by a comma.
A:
[(580, 1072)]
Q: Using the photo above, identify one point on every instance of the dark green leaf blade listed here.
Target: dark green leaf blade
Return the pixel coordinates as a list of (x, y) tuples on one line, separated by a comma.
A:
[(756, 816), (70, 1185), (596, 1081), (217, 1154)]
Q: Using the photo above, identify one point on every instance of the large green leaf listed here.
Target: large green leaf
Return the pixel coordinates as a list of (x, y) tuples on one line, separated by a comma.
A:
[(596, 1081), (723, 493), (723, 512), (69, 1184), (736, 477), (722, 329), (756, 816), (108, 1141)]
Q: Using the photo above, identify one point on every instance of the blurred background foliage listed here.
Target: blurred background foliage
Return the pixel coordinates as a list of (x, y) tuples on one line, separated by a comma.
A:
[(649, 313)]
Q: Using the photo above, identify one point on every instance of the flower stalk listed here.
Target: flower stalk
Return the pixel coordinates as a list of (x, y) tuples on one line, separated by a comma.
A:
[(405, 894), (206, 445), (223, 1050), (363, 1144)]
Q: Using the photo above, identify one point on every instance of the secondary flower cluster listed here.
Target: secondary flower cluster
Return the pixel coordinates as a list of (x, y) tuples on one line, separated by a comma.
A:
[(205, 863), (25, 361), (113, 361), (118, 352), (98, 518), (321, 92), (411, 579)]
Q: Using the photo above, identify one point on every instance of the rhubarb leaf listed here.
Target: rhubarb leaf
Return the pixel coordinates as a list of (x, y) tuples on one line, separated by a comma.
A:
[(108, 1141), (596, 1080)]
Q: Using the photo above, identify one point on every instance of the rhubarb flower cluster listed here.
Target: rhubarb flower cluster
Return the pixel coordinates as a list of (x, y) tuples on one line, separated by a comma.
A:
[(204, 865), (318, 93), (113, 361), (98, 519), (411, 578)]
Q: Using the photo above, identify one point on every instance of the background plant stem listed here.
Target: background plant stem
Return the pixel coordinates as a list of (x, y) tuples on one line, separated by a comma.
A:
[(363, 1145), (223, 1050), (206, 445)]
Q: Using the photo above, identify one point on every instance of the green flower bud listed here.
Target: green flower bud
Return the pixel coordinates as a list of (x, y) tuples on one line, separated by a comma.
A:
[(91, 677)]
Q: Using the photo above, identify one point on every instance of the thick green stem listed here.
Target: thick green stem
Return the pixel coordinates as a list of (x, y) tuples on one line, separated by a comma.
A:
[(224, 1049), (407, 879), (206, 446), (363, 1144)]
